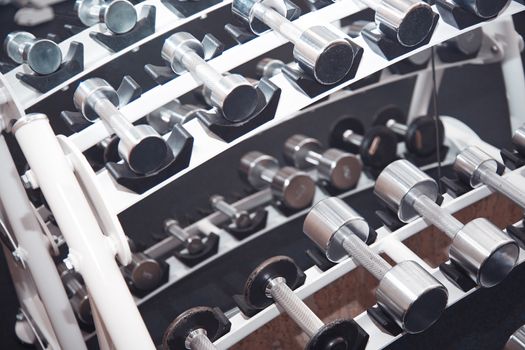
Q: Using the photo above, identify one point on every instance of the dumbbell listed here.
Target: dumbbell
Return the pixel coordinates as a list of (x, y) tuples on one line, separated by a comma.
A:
[(294, 188), (140, 146), (377, 147), (406, 292), (477, 168), (518, 139), (340, 169), (194, 329), (234, 95), (484, 8), (79, 297), (320, 52), (192, 242), (119, 16), (144, 272), (43, 56), (479, 247), (420, 136), (240, 218), (410, 22), (273, 280)]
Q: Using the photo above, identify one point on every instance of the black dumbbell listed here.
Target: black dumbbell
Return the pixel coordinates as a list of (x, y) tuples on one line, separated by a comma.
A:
[(420, 136), (377, 146)]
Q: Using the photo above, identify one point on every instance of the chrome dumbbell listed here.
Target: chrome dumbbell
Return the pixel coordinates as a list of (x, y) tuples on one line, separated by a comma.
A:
[(477, 168), (484, 8), (240, 218), (269, 67), (119, 16), (234, 95), (144, 272), (294, 188), (321, 52), (140, 146), (422, 136), (43, 56), (410, 22), (194, 243), (483, 250), (340, 169), (407, 292), (273, 280), (377, 146), (196, 329), (518, 139)]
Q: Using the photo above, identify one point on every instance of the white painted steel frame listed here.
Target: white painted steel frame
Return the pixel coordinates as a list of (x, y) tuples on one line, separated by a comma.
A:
[(206, 145)]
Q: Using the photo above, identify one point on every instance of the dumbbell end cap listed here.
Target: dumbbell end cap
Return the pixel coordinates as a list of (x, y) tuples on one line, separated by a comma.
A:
[(148, 154), (257, 282), (120, 16), (418, 309), (240, 98), (44, 57), (334, 62), (486, 253), (487, 8), (416, 25), (147, 274), (294, 188), (345, 172)]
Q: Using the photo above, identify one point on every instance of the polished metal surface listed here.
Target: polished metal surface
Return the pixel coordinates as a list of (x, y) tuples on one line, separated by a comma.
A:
[(198, 340), (413, 297), (485, 252), (294, 306), (268, 67), (244, 10), (259, 168), (397, 180), (240, 218), (191, 241), (294, 188), (518, 139), (434, 214), (143, 149), (119, 16), (398, 128), (233, 94), (516, 340), (143, 271), (329, 222), (476, 167), (43, 56), (484, 8), (165, 118)]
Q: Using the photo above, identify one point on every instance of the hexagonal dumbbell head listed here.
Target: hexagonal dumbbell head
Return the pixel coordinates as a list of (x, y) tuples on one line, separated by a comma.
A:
[(410, 21), (342, 170), (482, 249), (119, 16), (141, 147), (43, 56), (484, 8), (294, 188), (234, 95), (406, 291)]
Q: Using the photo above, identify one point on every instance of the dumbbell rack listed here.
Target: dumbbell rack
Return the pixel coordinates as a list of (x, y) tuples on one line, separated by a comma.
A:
[(292, 100), (207, 147), (387, 242)]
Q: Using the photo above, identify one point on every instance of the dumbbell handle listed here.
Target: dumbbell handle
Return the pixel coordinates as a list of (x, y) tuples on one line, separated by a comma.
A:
[(198, 340), (398, 128), (277, 22), (432, 212), (499, 184), (362, 253), (201, 70), (294, 306), (225, 208), (353, 138), (176, 231), (118, 123)]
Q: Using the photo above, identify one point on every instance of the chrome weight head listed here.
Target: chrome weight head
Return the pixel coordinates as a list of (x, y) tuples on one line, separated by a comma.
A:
[(484, 8), (43, 56), (329, 222), (485, 252), (119, 16), (470, 161), (244, 11), (410, 21), (395, 184), (89, 92)]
